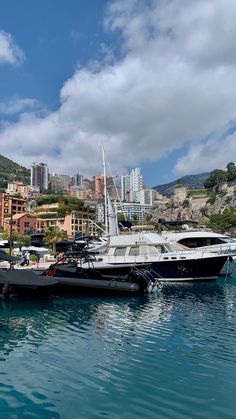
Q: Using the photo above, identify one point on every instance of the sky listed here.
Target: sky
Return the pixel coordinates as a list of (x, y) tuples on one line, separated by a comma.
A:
[(153, 82)]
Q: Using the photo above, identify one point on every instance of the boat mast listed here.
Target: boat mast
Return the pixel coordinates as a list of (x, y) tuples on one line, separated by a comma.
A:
[(105, 191)]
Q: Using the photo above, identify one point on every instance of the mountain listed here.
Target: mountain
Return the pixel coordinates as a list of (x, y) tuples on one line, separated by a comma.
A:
[(189, 182), (9, 170)]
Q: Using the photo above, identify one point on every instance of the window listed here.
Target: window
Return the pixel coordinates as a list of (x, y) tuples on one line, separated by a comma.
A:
[(190, 242), (134, 251), (201, 241), (162, 249), (120, 251)]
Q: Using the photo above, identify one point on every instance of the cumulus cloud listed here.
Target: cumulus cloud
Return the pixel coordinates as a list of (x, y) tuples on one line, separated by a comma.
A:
[(10, 53), (173, 84)]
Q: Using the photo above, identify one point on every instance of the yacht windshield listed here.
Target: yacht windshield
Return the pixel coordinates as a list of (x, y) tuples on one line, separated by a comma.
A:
[(227, 240)]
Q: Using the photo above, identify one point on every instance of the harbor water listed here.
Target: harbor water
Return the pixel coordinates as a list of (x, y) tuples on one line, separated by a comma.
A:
[(168, 355)]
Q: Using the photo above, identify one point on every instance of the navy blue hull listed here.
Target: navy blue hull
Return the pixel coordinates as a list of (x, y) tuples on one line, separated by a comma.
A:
[(205, 268)]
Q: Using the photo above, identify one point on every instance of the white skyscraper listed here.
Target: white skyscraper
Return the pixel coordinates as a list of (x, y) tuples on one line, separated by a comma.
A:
[(131, 184)]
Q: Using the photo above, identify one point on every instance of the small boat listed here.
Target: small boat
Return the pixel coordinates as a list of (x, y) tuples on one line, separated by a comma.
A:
[(61, 278)]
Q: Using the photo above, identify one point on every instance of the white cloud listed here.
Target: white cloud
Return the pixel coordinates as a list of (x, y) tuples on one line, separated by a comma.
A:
[(18, 105), (208, 155), (10, 53), (174, 85)]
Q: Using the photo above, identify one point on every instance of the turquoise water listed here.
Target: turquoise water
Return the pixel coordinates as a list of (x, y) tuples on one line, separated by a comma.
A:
[(172, 355)]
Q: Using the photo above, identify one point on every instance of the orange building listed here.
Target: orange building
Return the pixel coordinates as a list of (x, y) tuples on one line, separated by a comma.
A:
[(79, 222), (21, 223), (43, 224), (72, 224), (10, 205)]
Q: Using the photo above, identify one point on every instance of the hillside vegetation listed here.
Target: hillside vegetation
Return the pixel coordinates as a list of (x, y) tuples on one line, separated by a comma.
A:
[(10, 171), (219, 176)]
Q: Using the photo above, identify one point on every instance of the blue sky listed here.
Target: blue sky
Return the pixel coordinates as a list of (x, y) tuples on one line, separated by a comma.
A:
[(152, 81)]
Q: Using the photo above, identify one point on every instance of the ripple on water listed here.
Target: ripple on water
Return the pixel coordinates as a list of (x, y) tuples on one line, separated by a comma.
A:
[(164, 356)]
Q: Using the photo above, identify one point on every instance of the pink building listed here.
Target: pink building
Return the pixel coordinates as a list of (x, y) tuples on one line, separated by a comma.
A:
[(21, 223)]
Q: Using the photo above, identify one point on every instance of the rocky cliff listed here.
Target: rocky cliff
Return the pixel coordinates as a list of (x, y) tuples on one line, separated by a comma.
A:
[(196, 207)]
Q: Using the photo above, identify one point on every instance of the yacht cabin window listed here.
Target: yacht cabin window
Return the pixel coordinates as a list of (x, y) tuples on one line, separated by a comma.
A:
[(143, 249), (201, 241), (134, 251), (120, 251), (162, 248)]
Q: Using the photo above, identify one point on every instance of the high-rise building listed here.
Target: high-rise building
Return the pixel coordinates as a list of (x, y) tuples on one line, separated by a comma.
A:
[(99, 185), (77, 180), (147, 196), (131, 184), (64, 180), (39, 176)]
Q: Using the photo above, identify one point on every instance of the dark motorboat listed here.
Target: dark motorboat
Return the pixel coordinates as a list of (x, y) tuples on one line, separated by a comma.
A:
[(69, 277)]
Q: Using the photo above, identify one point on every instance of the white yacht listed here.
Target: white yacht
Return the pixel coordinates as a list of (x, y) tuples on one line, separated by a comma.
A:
[(189, 234), (169, 261)]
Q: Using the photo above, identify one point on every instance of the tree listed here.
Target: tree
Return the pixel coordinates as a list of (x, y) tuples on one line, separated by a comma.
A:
[(231, 168), (52, 236), (23, 240), (217, 176), (6, 236), (49, 199), (231, 171), (121, 216), (223, 221)]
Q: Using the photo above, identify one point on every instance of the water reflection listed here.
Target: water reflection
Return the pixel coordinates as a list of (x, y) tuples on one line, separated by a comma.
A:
[(33, 320), (151, 356)]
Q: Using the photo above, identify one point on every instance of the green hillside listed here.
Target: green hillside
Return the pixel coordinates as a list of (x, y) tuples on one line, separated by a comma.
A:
[(10, 170), (189, 182)]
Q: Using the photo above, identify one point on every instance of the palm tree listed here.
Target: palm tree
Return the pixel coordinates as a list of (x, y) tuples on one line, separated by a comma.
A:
[(52, 235)]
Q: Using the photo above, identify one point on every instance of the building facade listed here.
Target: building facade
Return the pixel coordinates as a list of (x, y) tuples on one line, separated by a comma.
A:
[(77, 180), (131, 184), (10, 205), (146, 196), (78, 222), (40, 176), (21, 223), (25, 191), (99, 185), (133, 211)]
